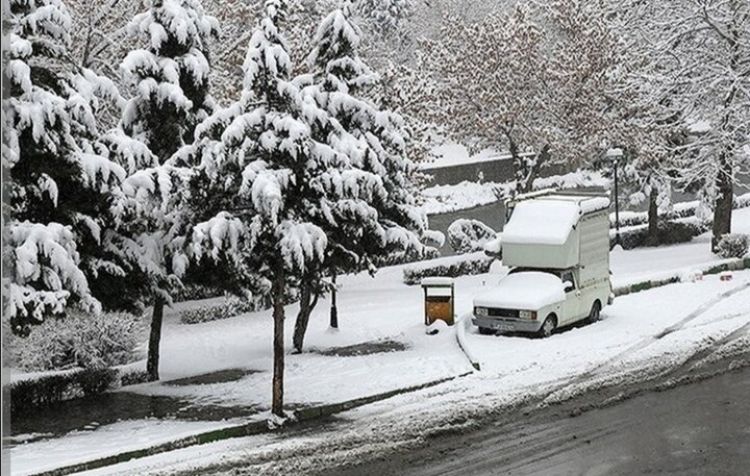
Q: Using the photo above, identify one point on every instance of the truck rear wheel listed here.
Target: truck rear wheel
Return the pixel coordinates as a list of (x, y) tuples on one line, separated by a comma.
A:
[(596, 310), (548, 327)]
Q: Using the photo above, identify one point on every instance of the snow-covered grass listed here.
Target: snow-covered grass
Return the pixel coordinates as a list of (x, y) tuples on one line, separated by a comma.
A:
[(449, 198), (383, 308)]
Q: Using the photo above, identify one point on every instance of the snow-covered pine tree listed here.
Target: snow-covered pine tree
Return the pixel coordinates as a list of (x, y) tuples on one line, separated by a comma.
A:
[(170, 81), (261, 171), (374, 140), (170, 77), (64, 189)]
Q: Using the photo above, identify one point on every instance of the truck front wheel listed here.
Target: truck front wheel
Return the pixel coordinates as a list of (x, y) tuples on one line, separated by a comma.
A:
[(485, 331), (548, 326)]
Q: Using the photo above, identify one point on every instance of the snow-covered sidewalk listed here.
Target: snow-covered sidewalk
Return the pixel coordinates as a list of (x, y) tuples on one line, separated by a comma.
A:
[(382, 310)]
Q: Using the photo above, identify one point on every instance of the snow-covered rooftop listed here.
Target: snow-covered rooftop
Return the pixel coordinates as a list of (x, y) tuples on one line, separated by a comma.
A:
[(550, 219)]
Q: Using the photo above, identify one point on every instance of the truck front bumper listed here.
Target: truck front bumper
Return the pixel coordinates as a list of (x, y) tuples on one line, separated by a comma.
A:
[(507, 324)]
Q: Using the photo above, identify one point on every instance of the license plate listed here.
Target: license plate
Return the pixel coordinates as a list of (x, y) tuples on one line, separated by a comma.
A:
[(503, 327)]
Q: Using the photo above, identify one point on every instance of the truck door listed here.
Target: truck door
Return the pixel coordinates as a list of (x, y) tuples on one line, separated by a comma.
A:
[(572, 305)]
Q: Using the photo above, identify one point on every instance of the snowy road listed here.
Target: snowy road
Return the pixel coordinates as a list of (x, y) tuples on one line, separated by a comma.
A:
[(700, 428)]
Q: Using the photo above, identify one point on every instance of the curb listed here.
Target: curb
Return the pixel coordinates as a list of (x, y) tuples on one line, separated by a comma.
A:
[(238, 431), (462, 325), (736, 264)]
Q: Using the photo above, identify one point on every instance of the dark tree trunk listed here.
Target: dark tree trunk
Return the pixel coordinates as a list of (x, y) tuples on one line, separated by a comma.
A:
[(723, 210), (277, 398), (152, 364), (303, 317), (527, 170), (653, 215)]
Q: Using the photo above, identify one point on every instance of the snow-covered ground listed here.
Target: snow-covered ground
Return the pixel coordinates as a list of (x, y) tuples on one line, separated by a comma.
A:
[(449, 198), (451, 154), (383, 308), (639, 334)]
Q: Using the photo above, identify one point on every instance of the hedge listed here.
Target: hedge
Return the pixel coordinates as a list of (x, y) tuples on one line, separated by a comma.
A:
[(30, 394), (467, 265), (680, 210), (668, 233)]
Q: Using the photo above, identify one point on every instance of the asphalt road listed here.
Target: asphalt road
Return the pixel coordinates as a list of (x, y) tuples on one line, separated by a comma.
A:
[(697, 429)]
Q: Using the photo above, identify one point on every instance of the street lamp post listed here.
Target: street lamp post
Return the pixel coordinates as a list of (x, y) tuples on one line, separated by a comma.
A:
[(615, 155), (334, 317)]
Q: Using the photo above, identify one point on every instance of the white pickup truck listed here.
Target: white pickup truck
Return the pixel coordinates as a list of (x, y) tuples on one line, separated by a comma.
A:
[(557, 246)]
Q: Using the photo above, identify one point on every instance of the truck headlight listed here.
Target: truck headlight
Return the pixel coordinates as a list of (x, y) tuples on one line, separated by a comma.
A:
[(527, 315), (481, 311)]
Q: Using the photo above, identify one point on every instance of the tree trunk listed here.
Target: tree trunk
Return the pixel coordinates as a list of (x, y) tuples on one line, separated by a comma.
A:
[(277, 399), (303, 317), (527, 170), (723, 211), (152, 364), (653, 215)]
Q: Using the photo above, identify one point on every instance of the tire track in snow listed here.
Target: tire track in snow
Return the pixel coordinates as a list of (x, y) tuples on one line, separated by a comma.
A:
[(685, 368), (647, 341)]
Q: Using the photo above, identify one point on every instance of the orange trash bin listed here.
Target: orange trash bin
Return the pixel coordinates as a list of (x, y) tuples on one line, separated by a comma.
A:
[(439, 297)]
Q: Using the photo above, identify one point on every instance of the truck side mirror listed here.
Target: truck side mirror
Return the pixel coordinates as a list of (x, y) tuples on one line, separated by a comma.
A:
[(568, 285)]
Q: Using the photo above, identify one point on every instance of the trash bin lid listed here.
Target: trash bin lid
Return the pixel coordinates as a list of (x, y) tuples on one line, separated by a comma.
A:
[(437, 281)]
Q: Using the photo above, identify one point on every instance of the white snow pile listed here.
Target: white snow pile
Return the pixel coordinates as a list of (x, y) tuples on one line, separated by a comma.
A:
[(526, 290)]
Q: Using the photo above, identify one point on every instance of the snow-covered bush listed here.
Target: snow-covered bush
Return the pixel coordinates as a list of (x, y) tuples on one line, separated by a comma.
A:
[(230, 308), (78, 340), (466, 236), (453, 268), (734, 245), (195, 292), (668, 233), (494, 247)]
